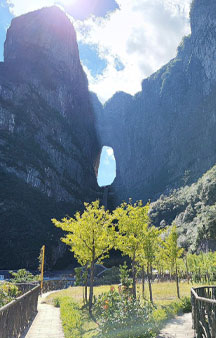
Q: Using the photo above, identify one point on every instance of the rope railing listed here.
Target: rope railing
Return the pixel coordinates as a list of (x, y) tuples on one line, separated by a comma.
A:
[(16, 316), (203, 300)]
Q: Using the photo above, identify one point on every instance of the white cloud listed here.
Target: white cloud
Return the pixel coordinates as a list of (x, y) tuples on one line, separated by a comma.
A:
[(143, 35), (110, 152), (107, 156)]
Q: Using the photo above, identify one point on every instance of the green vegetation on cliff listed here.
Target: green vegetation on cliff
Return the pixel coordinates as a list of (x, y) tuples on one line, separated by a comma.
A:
[(193, 209)]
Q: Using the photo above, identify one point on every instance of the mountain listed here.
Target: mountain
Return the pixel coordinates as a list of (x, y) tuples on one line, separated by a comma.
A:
[(48, 141), (166, 133), (193, 209), (52, 130)]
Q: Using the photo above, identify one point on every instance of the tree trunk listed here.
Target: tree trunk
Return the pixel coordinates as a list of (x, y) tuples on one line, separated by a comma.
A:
[(86, 291), (177, 282), (91, 286), (143, 282), (187, 271), (86, 284), (134, 278), (149, 283)]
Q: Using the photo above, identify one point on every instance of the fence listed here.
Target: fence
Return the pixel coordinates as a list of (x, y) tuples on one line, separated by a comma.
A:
[(56, 284), (16, 316), (203, 301)]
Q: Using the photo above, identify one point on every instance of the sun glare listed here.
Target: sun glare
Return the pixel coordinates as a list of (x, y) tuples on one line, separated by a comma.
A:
[(68, 2)]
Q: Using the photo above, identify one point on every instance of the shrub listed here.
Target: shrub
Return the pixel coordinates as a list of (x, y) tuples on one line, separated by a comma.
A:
[(163, 313), (8, 292), (173, 309), (159, 315), (186, 304), (121, 316), (56, 302), (126, 281), (22, 276), (70, 316)]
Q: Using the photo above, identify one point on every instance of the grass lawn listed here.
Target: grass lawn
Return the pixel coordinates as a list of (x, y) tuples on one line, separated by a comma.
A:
[(163, 294)]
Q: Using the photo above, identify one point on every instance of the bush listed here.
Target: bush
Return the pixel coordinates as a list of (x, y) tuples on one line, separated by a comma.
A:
[(8, 292), (173, 309), (70, 316), (126, 281), (121, 316), (22, 276), (186, 304), (163, 313), (56, 302), (159, 315)]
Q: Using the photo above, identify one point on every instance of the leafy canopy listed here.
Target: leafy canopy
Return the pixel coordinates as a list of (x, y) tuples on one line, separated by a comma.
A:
[(22, 275), (90, 234), (133, 221), (171, 248), (150, 245)]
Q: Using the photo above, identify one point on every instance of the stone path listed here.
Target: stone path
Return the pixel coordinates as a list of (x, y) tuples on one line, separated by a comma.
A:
[(47, 323), (179, 327)]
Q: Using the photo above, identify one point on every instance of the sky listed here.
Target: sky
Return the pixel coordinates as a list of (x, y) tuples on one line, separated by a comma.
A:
[(121, 42), (107, 168)]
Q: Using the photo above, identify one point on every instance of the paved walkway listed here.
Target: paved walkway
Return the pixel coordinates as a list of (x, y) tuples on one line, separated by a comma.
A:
[(47, 323), (179, 327)]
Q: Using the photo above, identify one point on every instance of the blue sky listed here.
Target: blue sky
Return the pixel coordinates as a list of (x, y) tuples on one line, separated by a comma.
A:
[(121, 42), (107, 169), (5, 19)]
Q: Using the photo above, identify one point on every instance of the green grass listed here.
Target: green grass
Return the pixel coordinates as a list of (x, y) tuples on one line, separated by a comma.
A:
[(77, 322)]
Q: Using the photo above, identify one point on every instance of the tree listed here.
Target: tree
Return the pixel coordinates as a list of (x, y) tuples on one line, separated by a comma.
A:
[(90, 236), (132, 221), (81, 278), (150, 246), (142, 270), (22, 276), (173, 252)]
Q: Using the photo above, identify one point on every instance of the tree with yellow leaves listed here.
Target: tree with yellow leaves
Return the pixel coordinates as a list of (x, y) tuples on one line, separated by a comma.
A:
[(132, 221), (173, 252), (90, 236)]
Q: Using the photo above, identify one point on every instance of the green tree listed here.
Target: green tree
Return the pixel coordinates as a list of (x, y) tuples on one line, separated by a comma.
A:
[(124, 276), (132, 222), (8, 292), (150, 245), (90, 236), (173, 252), (142, 271), (22, 276), (81, 278)]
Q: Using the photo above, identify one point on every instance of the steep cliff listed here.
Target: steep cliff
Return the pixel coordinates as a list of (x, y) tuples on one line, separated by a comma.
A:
[(167, 131), (48, 142), (192, 208)]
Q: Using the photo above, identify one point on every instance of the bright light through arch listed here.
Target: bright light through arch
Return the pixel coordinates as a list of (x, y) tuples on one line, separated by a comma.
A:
[(107, 167)]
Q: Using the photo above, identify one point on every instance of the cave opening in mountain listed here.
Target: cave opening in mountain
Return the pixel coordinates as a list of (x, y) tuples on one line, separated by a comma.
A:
[(107, 167)]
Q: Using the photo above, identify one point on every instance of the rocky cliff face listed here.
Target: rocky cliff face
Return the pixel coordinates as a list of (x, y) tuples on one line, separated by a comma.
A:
[(192, 209), (166, 133), (48, 144)]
